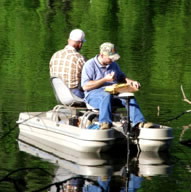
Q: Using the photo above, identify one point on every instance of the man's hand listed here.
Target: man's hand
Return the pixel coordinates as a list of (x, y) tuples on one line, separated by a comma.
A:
[(133, 83), (110, 77), (98, 83)]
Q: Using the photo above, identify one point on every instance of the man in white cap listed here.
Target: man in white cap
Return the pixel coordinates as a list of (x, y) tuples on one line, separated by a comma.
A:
[(101, 71), (68, 62)]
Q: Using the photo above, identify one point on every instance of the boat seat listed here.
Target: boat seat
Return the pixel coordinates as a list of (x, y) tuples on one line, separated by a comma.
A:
[(91, 108), (64, 95)]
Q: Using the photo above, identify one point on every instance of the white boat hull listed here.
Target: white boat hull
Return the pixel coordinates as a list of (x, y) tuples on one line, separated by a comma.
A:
[(41, 126), (82, 140), (66, 141), (155, 139)]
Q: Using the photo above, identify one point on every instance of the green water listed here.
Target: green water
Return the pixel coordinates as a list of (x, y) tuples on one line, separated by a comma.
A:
[(153, 40)]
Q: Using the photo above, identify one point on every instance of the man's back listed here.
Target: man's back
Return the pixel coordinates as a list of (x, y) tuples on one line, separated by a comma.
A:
[(67, 64)]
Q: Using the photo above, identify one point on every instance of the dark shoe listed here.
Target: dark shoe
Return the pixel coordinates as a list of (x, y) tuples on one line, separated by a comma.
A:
[(105, 125), (136, 129)]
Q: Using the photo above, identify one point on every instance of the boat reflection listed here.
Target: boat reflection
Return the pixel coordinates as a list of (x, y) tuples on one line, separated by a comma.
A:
[(91, 172), (151, 164)]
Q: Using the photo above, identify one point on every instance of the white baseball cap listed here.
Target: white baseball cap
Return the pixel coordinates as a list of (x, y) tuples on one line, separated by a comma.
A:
[(77, 35)]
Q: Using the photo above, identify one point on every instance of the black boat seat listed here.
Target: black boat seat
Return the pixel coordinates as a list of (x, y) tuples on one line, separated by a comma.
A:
[(64, 95)]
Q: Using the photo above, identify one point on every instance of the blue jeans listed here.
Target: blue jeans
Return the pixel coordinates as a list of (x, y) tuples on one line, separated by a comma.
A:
[(78, 92), (104, 101)]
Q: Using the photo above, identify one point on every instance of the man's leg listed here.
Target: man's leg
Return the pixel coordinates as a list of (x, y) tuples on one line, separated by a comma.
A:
[(78, 92), (136, 115), (101, 100)]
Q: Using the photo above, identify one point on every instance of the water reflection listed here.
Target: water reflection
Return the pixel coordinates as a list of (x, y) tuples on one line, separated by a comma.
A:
[(151, 164), (91, 172), (185, 134)]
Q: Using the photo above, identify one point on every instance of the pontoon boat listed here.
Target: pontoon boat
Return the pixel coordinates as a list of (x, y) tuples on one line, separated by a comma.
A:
[(67, 125)]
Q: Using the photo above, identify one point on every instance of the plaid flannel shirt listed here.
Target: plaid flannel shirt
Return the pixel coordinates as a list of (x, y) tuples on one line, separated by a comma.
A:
[(67, 64)]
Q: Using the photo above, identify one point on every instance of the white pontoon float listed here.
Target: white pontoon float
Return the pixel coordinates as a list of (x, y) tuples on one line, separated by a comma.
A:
[(67, 125)]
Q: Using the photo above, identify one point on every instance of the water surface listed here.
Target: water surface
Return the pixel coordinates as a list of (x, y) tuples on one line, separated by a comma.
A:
[(153, 40)]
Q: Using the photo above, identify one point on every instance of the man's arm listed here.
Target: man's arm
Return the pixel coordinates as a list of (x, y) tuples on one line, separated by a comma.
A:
[(93, 84)]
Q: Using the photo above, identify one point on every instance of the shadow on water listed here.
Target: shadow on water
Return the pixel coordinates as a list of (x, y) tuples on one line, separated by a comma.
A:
[(186, 142)]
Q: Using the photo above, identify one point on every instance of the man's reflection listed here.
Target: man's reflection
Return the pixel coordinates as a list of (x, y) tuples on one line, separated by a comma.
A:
[(103, 184)]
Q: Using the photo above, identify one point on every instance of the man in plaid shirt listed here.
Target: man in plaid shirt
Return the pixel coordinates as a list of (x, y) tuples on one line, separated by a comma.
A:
[(68, 62)]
